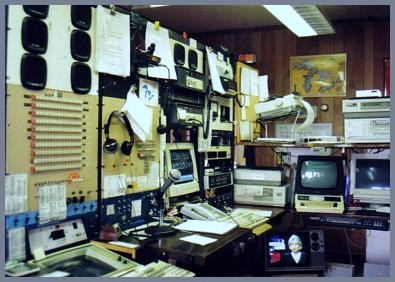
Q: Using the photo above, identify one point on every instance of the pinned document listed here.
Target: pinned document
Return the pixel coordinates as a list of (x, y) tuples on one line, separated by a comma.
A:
[(139, 115), (214, 75), (112, 42), (160, 37), (263, 88)]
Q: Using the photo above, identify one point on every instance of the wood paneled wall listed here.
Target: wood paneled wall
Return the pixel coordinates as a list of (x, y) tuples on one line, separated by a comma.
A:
[(366, 44)]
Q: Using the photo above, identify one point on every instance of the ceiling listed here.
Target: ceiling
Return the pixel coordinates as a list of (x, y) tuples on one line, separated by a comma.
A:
[(212, 18)]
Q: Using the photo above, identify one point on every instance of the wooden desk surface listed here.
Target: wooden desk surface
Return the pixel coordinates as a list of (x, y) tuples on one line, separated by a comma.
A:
[(189, 252)]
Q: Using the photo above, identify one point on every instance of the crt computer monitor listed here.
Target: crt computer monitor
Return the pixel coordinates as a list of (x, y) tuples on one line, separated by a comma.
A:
[(181, 156), (281, 254), (320, 175), (370, 178)]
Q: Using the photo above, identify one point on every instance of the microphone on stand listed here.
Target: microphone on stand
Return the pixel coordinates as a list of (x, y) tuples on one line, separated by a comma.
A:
[(161, 229), (174, 175)]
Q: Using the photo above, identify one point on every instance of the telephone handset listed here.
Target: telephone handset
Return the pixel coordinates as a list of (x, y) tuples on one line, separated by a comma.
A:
[(202, 211)]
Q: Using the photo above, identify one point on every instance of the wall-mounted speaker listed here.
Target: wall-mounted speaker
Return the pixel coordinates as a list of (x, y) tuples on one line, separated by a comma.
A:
[(179, 54), (81, 78), (192, 59), (33, 71), (81, 16), (34, 35), (37, 11), (80, 45)]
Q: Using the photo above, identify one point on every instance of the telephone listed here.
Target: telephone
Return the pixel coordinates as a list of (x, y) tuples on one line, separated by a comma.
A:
[(202, 211)]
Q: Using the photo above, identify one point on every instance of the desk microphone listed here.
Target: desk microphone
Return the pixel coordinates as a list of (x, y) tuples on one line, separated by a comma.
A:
[(159, 230), (174, 175)]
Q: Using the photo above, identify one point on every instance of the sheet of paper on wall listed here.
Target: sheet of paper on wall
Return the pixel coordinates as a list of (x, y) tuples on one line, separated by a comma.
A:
[(243, 113), (263, 88), (214, 75), (245, 81), (15, 193), (16, 244), (114, 185), (160, 37), (52, 203), (153, 175), (246, 100), (254, 83), (245, 130), (139, 115), (112, 42), (141, 182), (149, 91), (239, 155)]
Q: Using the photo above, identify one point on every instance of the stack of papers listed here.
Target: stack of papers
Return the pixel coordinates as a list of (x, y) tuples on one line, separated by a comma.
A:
[(213, 227)]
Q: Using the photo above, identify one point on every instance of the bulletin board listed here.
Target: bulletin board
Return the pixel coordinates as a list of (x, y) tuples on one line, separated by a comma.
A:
[(247, 97)]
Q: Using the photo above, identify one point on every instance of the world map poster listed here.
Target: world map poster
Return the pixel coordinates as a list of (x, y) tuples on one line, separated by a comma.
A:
[(318, 75)]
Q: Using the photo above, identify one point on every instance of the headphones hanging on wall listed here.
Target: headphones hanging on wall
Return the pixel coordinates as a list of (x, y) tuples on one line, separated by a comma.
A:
[(110, 145)]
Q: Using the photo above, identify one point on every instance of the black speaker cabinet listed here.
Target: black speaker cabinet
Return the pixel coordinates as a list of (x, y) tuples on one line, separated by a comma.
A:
[(317, 248), (33, 71), (34, 35), (80, 45), (81, 16), (81, 78), (179, 54), (192, 59), (37, 11)]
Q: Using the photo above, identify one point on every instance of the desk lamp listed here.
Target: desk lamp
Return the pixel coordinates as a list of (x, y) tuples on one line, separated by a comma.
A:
[(161, 229)]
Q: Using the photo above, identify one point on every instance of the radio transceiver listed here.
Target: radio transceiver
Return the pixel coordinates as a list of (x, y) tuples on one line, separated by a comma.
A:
[(217, 179), (261, 187), (277, 196), (367, 120)]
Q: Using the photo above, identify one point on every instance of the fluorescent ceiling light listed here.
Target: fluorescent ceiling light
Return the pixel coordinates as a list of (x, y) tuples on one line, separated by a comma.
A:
[(303, 20), (157, 6)]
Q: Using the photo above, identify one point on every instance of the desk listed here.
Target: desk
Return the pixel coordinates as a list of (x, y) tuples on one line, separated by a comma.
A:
[(202, 260), (171, 247)]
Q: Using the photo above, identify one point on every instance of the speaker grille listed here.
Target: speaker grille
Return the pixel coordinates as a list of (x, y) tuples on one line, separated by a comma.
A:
[(33, 72), (37, 11), (192, 59), (81, 78), (179, 54), (81, 16), (80, 45), (34, 35)]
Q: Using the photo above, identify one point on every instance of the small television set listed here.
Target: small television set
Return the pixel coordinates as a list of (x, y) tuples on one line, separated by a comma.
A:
[(370, 178), (320, 175), (181, 156), (294, 251)]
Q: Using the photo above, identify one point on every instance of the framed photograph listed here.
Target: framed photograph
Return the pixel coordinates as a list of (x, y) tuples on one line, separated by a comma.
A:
[(318, 75)]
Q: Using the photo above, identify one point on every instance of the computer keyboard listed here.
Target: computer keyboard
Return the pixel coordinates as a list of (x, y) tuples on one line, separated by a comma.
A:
[(245, 219), (348, 221), (159, 269)]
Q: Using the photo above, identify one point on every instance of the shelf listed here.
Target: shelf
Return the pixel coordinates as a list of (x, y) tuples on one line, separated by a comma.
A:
[(311, 145)]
